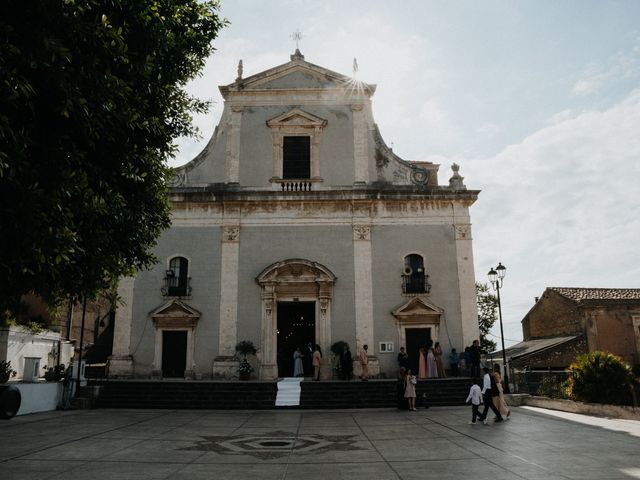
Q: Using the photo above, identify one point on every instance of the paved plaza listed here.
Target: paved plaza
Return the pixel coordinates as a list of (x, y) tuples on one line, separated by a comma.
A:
[(291, 444)]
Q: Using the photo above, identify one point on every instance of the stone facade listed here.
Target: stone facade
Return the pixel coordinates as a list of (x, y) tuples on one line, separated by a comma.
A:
[(337, 244), (605, 319)]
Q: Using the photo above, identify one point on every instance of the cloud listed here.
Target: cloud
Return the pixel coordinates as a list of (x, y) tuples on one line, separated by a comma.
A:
[(562, 207)]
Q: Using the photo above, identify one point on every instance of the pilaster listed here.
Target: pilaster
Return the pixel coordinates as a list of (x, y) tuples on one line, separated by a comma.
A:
[(363, 285), (230, 251), (232, 151), (120, 363), (466, 284), (360, 144)]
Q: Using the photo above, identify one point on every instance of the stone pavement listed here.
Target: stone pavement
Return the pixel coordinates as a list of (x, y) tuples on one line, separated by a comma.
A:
[(292, 444)]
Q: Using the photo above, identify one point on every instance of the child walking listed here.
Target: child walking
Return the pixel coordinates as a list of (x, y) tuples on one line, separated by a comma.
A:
[(475, 396), (410, 390)]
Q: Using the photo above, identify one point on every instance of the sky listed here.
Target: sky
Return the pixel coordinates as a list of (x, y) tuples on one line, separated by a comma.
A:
[(538, 101)]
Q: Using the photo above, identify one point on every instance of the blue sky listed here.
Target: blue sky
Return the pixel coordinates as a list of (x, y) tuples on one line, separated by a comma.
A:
[(538, 101)]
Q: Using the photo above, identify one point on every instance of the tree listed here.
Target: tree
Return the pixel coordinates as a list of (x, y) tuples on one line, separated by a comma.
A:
[(487, 315), (92, 95)]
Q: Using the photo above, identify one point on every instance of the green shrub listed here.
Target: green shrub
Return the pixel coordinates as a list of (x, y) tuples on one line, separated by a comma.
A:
[(601, 377), (552, 387)]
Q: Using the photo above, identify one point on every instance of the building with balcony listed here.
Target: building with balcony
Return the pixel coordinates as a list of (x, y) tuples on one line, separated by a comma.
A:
[(297, 224)]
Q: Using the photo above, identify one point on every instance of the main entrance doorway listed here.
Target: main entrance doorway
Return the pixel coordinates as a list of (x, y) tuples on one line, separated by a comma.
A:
[(296, 328), (174, 353), (416, 338)]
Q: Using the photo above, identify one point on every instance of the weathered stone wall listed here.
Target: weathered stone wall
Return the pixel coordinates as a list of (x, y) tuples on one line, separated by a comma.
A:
[(610, 328), (556, 357), (552, 316)]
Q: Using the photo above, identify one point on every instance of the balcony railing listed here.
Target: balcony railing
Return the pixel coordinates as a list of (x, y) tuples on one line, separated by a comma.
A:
[(176, 286), (296, 185), (412, 284)]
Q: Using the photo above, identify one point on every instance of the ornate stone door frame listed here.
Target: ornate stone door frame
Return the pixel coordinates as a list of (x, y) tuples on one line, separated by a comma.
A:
[(417, 313), (294, 280), (175, 315)]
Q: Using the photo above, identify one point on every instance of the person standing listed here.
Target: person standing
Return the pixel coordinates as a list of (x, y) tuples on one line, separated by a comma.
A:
[(346, 363), (475, 397), (410, 390), (432, 366), (489, 390), (466, 358), (298, 369), (364, 363), (454, 358), (499, 401), (474, 354), (437, 351), (307, 360), (317, 359), (422, 363), (401, 388), (403, 359)]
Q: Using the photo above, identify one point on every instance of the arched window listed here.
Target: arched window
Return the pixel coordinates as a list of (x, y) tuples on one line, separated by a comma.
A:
[(177, 281), (414, 276)]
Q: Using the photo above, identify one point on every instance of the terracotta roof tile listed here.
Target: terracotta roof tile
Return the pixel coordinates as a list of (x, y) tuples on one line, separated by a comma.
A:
[(579, 294)]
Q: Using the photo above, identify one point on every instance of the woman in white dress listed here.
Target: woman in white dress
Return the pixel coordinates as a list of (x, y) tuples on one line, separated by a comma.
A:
[(298, 368)]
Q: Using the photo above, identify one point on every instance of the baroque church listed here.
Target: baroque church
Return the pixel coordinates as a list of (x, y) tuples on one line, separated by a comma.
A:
[(297, 224)]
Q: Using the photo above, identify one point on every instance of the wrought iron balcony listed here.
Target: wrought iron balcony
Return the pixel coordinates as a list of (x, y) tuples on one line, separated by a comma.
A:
[(176, 286), (415, 284)]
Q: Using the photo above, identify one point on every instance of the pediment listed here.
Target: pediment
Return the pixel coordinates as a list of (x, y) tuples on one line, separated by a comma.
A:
[(175, 309), (296, 271), (296, 74), (417, 307), (297, 118)]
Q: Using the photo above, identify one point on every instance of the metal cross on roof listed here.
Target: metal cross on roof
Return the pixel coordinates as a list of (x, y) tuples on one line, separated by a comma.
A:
[(297, 36)]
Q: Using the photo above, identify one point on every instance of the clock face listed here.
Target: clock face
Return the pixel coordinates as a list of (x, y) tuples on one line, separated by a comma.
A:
[(419, 176)]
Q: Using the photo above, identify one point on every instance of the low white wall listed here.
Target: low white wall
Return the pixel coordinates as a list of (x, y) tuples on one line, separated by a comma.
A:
[(594, 409), (39, 397)]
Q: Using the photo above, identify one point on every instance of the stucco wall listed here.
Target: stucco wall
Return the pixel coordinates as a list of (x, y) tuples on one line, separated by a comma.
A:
[(201, 246), (614, 331)]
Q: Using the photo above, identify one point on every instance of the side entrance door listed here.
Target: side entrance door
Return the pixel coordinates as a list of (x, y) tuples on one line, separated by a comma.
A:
[(174, 353)]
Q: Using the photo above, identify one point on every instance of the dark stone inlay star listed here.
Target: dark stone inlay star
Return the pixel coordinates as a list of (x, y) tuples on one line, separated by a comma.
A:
[(275, 444)]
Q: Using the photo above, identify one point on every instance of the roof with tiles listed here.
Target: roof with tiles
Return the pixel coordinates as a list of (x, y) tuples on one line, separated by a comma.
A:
[(585, 294)]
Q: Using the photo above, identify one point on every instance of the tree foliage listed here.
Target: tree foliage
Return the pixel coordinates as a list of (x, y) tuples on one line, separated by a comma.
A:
[(91, 98), (487, 315), (601, 377)]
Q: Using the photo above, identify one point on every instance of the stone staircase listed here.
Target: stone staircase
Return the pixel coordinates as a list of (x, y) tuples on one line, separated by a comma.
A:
[(254, 395), (185, 394)]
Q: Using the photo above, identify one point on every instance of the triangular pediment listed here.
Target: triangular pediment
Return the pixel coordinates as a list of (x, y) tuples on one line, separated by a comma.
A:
[(296, 74), (416, 307), (296, 271), (298, 118), (175, 309)]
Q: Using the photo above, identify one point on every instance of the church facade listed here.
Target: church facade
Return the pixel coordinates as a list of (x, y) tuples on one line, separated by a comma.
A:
[(298, 224)]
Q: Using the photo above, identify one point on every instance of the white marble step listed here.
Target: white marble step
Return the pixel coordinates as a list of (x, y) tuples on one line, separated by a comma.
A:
[(288, 392)]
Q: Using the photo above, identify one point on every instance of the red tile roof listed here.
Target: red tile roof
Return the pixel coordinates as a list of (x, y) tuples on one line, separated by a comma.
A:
[(579, 294)]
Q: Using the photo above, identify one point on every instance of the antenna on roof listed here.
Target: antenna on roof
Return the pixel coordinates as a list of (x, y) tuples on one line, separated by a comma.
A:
[(355, 66)]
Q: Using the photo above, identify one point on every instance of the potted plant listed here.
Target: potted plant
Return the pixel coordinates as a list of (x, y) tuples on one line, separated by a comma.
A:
[(6, 372), (244, 348), (10, 397)]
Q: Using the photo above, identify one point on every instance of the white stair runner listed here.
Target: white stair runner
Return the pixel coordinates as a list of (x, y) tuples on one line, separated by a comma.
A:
[(288, 392)]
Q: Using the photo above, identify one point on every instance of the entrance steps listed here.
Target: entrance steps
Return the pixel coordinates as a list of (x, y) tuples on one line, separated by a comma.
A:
[(255, 395), (288, 392)]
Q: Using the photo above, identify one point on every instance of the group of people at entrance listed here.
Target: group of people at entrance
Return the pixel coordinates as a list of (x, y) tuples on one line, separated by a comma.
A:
[(311, 359), (346, 363), (431, 365)]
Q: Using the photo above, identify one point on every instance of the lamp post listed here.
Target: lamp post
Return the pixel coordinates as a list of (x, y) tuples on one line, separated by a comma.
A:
[(496, 277)]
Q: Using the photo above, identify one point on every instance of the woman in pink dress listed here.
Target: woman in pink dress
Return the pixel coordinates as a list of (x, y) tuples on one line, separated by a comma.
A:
[(437, 352), (410, 390), (432, 366), (422, 364)]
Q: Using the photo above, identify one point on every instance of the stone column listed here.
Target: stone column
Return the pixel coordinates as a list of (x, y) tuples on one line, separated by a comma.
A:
[(466, 285), (268, 335), (232, 151), (323, 332), (121, 362), (360, 144), (224, 363)]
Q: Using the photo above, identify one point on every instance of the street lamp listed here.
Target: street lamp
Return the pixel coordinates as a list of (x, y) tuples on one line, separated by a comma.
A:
[(496, 277)]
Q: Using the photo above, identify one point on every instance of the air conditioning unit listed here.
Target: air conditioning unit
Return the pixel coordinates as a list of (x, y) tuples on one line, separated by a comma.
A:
[(407, 270)]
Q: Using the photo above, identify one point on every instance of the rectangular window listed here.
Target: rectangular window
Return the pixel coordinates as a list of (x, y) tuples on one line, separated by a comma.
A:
[(296, 157)]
